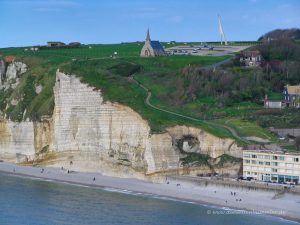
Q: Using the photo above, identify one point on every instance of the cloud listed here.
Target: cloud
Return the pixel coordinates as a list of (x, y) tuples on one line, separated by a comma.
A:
[(285, 6), (46, 5), (175, 19), (47, 9), (148, 9), (145, 13)]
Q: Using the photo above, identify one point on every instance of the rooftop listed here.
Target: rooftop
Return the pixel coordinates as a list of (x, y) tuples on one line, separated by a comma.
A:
[(9, 58), (156, 45), (269, 151), (294, 90), (251, 53)]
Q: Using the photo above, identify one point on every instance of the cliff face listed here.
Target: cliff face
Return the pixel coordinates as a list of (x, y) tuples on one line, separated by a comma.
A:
[(16, 141), (9, 77), (88, 134)]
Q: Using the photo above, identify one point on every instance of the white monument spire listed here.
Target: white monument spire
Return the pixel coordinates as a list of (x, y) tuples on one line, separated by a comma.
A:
[(221, 31)]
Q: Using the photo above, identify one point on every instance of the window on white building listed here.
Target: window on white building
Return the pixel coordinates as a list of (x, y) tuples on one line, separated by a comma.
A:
[(289, 159)]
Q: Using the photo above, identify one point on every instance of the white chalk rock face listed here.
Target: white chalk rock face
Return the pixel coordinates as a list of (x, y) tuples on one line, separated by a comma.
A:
[(38, 89), (15, 70), (101, 136), (16, 140), (83, 122)]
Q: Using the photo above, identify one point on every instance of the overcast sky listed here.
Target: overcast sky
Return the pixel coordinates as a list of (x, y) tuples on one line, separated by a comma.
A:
[(32, 22)]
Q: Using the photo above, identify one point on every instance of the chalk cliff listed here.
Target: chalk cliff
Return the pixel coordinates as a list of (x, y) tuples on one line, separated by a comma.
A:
[(9, 77), (89, 134)]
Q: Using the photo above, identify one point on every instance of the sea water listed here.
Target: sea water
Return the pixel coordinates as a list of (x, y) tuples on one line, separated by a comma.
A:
[(38, 202)]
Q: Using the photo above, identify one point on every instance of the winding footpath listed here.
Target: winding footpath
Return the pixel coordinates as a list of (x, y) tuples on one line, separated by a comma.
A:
[(149, 95), (147, 102)]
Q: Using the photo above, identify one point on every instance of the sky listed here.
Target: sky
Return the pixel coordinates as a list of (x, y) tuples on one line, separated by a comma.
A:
[(34, 22)]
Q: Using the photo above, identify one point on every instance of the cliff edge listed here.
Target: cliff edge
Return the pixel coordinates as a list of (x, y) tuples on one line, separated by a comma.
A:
[(87, 133)]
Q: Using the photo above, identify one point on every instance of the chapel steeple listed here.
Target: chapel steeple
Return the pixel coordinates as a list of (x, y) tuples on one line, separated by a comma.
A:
[(148, 36)]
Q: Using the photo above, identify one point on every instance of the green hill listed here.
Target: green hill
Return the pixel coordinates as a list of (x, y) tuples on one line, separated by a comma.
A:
[(177, 84)]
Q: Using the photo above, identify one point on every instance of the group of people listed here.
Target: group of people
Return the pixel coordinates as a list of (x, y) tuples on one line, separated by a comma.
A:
[(235, 194)]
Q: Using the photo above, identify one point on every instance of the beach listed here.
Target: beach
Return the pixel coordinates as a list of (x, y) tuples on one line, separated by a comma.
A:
[(253, 201)]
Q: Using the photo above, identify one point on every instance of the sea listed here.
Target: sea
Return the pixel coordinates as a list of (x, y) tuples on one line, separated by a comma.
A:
[(40, 202)]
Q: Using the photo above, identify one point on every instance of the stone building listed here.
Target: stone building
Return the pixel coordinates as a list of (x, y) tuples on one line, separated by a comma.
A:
[(292, 96), (251, 58), (152, 48), (55, 44)]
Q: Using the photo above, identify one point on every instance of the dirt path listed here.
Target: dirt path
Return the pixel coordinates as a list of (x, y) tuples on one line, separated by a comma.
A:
[(149, 95), (147, 101)]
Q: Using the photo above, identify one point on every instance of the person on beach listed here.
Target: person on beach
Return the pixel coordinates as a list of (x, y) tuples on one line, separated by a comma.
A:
[(14, 170), (94, 178), (42, 171)]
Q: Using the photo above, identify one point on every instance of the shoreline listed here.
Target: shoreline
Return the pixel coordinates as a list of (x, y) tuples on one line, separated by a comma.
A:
[(210, 196)]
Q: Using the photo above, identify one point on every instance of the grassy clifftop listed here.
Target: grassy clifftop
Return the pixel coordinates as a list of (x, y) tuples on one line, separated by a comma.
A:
[(96, 67), (226, 98)]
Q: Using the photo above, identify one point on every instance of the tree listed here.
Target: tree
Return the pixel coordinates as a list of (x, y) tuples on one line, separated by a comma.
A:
[(297, 142)]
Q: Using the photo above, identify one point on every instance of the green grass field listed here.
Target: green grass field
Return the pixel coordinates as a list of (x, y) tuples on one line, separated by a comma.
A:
[(248, 129)]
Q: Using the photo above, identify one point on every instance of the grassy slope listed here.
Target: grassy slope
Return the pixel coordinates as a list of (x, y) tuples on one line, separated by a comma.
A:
[(99, 73), (95, 67)]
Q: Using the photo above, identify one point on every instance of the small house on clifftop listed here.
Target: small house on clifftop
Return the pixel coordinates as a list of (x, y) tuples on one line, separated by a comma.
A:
[(251, 58)]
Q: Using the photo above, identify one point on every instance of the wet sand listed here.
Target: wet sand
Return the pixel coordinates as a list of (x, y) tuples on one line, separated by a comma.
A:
[(253, 201)]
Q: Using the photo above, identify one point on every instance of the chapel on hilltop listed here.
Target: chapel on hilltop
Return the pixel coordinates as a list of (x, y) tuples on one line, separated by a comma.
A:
[(152, 48)]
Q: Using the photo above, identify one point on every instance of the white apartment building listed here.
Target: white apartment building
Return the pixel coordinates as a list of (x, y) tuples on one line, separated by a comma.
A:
[(271, 166)]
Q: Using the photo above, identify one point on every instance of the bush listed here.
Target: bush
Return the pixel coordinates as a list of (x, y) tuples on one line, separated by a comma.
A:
[(125, 69)]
